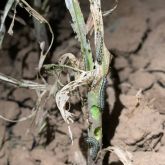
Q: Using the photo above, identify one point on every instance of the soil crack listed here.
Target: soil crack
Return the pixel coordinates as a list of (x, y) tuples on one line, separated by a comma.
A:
[(144, 38)]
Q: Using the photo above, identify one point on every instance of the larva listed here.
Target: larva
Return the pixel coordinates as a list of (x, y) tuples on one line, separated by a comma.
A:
[(94, 146), (99, 48), (102, 93)]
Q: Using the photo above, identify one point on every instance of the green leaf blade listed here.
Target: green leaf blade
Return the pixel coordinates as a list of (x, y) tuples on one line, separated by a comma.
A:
[(79, 28)]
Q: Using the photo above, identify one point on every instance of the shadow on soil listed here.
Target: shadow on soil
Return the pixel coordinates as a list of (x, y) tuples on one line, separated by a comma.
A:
[(111, 120)]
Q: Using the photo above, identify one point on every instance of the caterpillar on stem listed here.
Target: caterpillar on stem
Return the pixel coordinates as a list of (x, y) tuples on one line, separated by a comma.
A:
[(94, 146)]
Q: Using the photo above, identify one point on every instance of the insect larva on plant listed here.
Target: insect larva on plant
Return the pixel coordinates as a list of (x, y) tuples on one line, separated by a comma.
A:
[(94, 146), (102, 93)]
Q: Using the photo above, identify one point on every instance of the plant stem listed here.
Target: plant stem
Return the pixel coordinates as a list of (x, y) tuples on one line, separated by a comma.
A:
[(40, 29)]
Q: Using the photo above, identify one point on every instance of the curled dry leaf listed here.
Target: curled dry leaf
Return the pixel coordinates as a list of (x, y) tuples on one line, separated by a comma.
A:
[(23, 83), (63, 95), (90, 23), (73, 62), (41, 19), (10, 31), (125, 157), (7, 9), (42, 56), (40, 89), (72, 59), (106, 13)]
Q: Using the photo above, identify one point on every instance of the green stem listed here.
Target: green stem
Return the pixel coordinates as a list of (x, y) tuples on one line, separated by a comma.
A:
[(95, 106)]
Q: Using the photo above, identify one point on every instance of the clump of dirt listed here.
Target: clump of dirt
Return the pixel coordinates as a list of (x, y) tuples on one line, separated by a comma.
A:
[(130, 134)]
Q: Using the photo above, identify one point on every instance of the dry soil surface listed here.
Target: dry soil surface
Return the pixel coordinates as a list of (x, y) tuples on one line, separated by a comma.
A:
[(134, 115)]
